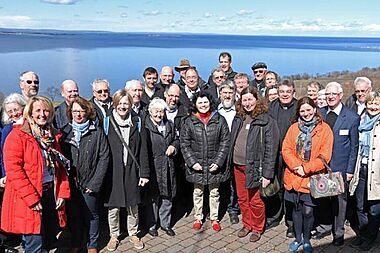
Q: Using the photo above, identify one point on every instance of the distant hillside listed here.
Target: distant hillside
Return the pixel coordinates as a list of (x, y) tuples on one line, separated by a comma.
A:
[(345, 77)]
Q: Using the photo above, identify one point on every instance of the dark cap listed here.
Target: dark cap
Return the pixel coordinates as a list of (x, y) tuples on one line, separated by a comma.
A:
[(259, 65)]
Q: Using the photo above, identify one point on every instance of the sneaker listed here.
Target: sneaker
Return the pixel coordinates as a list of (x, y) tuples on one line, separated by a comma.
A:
[(137, 243), (197, 225), (113, 243), (215, 225), (307, 248), (294, 245)]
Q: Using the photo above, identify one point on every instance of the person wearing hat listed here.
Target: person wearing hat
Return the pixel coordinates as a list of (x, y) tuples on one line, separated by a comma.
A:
[(259, 70), (184, 64)]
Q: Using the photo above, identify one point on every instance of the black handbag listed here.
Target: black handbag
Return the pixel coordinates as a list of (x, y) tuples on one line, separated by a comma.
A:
[(274, 187)]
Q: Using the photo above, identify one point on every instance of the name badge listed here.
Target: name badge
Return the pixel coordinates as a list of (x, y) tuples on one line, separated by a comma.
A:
[(343, 132), (247, 126)]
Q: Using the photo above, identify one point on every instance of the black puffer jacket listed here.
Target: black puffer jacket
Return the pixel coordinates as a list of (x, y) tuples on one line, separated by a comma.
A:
[(162, 178), (267, 151), (89, 161), (205, 144)]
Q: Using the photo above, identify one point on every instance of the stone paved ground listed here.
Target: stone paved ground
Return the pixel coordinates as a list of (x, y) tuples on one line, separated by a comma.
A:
[(207, 241)]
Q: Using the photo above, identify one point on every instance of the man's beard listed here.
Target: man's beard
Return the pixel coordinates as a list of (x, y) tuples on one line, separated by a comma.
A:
[(227, 104)]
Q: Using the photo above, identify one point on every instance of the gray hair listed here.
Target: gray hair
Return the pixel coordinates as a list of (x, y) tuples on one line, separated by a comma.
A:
[(227, 84), (97, 81), (129, 83), (372, 96), (336, 85), (218, 69), (362, 79), (12, 98), (28, 72), (321, 92), (157, 103)]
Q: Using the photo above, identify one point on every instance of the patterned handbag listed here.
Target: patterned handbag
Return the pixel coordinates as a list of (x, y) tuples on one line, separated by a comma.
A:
[(326, 184)]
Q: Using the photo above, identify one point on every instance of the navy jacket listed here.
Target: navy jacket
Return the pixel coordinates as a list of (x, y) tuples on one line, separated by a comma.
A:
[(346, 141)]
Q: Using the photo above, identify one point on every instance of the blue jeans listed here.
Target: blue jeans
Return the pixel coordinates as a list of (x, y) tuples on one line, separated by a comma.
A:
[(41, 243)]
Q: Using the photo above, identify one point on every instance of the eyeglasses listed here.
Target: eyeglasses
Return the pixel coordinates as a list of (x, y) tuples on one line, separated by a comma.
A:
[(361, 91), (102, 91), (334, 94), (219, 77), (78, 111), (30, 81), (258, 71)]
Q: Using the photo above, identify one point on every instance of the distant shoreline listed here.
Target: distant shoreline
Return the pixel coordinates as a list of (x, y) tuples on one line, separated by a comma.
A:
[(14, 40)]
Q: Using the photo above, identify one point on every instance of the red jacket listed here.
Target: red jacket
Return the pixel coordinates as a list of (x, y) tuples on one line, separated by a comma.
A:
[(24, 169), (322, 142)]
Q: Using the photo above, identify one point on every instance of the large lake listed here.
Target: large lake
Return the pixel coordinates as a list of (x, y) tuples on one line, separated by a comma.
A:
[(118, 57)]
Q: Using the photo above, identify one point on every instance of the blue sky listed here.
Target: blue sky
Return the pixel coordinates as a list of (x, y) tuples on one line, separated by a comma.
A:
[(269, 17)]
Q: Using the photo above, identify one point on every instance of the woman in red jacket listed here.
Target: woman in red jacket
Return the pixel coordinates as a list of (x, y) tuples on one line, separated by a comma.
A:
[(37, 184), (306, 140)]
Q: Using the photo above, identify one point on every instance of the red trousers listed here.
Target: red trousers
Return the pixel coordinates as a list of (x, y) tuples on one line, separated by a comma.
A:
[(251, 205)]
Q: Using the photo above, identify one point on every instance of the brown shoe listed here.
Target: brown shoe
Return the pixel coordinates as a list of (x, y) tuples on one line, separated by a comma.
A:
[(137, 243), (243, 232), (254, 237), (113, 243)]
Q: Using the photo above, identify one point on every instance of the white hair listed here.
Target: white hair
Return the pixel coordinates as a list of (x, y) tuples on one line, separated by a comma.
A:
[(157, 103), (12, 98), (336, 85), (96, 81), (321, 92), (129, 83), (362, 79)]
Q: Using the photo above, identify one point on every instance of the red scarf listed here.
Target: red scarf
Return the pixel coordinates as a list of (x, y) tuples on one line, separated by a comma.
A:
[(204, 117)]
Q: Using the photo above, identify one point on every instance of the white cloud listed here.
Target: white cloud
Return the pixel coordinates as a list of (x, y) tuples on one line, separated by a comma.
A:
[(244, 12), (16, 21), (207, 15), (222, 19), (123, 15), (65, 2), (154, 13)]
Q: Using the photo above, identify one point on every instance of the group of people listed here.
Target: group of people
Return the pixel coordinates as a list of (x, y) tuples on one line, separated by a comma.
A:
[(227, 139)]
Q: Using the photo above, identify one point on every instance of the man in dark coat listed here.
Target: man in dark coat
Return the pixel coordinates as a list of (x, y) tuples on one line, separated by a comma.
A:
[(282, 110), (102, 102), (166, 78), (191, 87), (344, 124), (356, 102), (151, 90), (69, 91), (218, 77), (259, 70)]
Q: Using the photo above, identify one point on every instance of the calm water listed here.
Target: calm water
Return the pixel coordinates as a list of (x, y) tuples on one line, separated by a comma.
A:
[(121, 57)]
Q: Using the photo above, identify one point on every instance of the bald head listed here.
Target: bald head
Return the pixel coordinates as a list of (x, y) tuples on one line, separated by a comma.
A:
[(69, 90), (167, 75), (172, 95)]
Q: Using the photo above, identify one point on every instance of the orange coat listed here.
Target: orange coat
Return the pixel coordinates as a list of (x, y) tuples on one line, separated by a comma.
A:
[(322, 143)]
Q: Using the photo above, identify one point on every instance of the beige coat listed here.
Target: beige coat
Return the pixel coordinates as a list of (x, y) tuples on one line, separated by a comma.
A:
[(373, 177)]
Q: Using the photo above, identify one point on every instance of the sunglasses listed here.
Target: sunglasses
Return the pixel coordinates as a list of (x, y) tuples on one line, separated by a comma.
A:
[(258, 71), (30, 81), (102, 91)]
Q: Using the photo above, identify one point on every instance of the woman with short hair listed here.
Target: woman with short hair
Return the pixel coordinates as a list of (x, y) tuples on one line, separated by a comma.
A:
[(37, 185), (85, 145), (124, 178), (204, 140), (164, 146)]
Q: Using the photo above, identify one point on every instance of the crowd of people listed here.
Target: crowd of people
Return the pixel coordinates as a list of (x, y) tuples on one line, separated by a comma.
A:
[(157, 149)]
